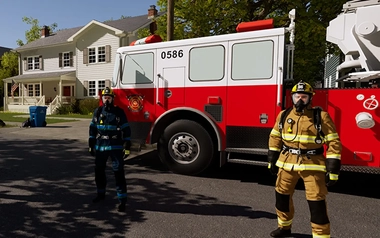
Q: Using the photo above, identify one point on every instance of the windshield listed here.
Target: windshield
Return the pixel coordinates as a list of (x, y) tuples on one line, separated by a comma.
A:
[(116, 70)]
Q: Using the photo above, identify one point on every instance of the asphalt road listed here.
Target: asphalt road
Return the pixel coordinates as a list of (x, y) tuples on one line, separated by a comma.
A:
[(46, 185)]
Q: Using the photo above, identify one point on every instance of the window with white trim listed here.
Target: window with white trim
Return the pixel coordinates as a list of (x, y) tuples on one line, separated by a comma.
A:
[(66, 59), (95, 86), (33, 63), (34, 90), (91, 55), (102, 54), (98, 54)]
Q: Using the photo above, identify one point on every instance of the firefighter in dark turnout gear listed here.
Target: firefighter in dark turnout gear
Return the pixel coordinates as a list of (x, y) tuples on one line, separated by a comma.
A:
[(296, 151), (110, 138)]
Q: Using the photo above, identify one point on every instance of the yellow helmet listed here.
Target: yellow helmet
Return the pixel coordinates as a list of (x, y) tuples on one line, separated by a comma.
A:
[(302, 87), (108, 92)]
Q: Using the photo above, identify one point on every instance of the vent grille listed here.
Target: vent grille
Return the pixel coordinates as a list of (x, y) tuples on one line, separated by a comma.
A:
[(215, 112)]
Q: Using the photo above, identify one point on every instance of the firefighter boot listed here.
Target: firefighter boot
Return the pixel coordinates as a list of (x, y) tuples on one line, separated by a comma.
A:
[(122, 205), (99, 197), (281, 233)]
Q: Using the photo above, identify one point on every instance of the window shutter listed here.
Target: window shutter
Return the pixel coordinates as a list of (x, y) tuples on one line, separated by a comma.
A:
[(60, 60), (25, 66), (108, 83), (41, 63), (85, 56), (85, 88), (71, 59), (108, 53)]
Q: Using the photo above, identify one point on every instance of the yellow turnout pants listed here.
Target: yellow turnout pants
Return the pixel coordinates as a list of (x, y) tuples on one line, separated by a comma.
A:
[(316, 192)]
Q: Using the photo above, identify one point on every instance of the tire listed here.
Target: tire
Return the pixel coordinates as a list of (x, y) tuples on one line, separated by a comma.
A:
[(186, 147)]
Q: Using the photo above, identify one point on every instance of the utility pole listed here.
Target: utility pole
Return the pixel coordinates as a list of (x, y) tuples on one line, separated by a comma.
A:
[(170, 24)]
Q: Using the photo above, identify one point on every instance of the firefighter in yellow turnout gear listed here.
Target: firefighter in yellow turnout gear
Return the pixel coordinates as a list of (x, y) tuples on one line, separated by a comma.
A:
[(296, 151)]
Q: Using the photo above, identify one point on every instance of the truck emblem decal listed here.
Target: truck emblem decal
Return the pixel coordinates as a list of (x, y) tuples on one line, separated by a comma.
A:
[(135, 103), (370, 103)]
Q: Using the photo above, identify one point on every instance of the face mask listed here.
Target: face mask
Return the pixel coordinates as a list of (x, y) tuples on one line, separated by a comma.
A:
[(300, 105), (107, 103)]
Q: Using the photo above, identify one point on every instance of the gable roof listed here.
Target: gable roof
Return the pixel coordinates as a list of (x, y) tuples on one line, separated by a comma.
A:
[(126, 25)]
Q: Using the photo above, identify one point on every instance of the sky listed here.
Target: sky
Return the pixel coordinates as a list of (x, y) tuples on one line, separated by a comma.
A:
[(67, 14)]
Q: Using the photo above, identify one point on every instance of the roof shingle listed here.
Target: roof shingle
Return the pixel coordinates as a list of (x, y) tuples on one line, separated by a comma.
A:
[(127, 25)]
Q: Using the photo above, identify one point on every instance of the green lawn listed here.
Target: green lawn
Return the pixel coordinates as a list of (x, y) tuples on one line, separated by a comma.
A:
[(20, 117)]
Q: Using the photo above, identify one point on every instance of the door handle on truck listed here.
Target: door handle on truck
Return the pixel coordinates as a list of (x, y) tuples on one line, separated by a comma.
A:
[(158, 90)]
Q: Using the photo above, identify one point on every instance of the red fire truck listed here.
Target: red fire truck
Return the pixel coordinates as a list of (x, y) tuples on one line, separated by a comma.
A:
[(215, 99)]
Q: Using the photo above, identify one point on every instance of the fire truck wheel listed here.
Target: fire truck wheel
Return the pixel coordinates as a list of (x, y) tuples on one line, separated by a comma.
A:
[(186, 147)]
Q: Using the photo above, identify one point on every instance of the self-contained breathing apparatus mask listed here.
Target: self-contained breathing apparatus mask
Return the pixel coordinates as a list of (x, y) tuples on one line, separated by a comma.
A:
[(300, 101), (302, 94), (107, 97)]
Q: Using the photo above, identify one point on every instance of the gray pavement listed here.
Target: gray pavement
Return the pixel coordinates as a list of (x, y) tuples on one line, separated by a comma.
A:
[(77, 130)]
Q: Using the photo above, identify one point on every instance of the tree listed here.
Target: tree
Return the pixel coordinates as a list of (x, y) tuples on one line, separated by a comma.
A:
[(8, 68), (34, 32), (197, 18)]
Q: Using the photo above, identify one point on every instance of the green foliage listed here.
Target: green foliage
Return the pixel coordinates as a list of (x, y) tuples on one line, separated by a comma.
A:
[(8, 68), (79, 106), (87, 106), (35, 30), (193, 18), (64, 109)]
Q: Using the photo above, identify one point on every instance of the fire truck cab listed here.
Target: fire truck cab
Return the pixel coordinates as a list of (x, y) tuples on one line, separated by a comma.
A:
[(203, 98)]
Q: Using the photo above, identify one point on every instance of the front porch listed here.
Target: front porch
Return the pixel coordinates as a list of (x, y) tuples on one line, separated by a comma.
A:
[(45, 89)]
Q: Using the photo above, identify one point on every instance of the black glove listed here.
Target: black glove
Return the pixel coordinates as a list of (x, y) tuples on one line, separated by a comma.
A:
[(332, 174), (91, 146), (272, 159)]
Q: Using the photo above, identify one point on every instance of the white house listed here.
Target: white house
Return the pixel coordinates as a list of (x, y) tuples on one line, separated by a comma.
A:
[(70, 63)]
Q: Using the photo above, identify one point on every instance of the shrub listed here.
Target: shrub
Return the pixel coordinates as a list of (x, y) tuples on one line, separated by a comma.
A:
[(87, 106), (79, 106), (64, 110)]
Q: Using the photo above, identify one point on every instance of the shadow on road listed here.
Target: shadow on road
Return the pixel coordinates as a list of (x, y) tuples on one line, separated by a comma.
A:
[(46, 186), (359, 184)]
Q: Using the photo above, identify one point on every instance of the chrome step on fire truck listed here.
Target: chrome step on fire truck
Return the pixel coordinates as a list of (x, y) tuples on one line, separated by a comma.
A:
[(216, 98)]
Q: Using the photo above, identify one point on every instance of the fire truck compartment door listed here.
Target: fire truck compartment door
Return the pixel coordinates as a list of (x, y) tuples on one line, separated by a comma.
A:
[(171, 85), (254, 81)]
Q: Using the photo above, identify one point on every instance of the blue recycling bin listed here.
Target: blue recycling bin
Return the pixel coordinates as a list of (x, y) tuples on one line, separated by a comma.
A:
[(37, 116)]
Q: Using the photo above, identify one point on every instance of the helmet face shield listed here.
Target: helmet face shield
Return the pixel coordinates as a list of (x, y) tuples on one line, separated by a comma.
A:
[(305, 97), (107, 99)]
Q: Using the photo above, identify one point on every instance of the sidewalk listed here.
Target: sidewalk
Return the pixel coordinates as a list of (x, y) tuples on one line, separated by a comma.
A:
[(77, 130)]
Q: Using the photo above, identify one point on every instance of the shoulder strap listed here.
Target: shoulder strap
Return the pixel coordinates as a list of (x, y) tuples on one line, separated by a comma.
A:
[(98, 112), (317, 118), (284, 114)]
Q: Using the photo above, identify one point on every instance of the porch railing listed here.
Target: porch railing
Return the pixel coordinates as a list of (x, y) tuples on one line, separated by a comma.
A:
[(53, 105), (26, 100)]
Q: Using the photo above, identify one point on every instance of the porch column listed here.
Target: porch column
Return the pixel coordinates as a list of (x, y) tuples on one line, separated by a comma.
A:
[(60, 90), (22, 93)]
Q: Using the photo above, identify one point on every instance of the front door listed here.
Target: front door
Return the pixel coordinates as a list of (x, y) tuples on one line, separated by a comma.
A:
[(66, 91)]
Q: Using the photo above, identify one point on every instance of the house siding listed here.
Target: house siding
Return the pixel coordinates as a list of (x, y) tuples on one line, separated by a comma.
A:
[(95, 37), (50, 59)]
